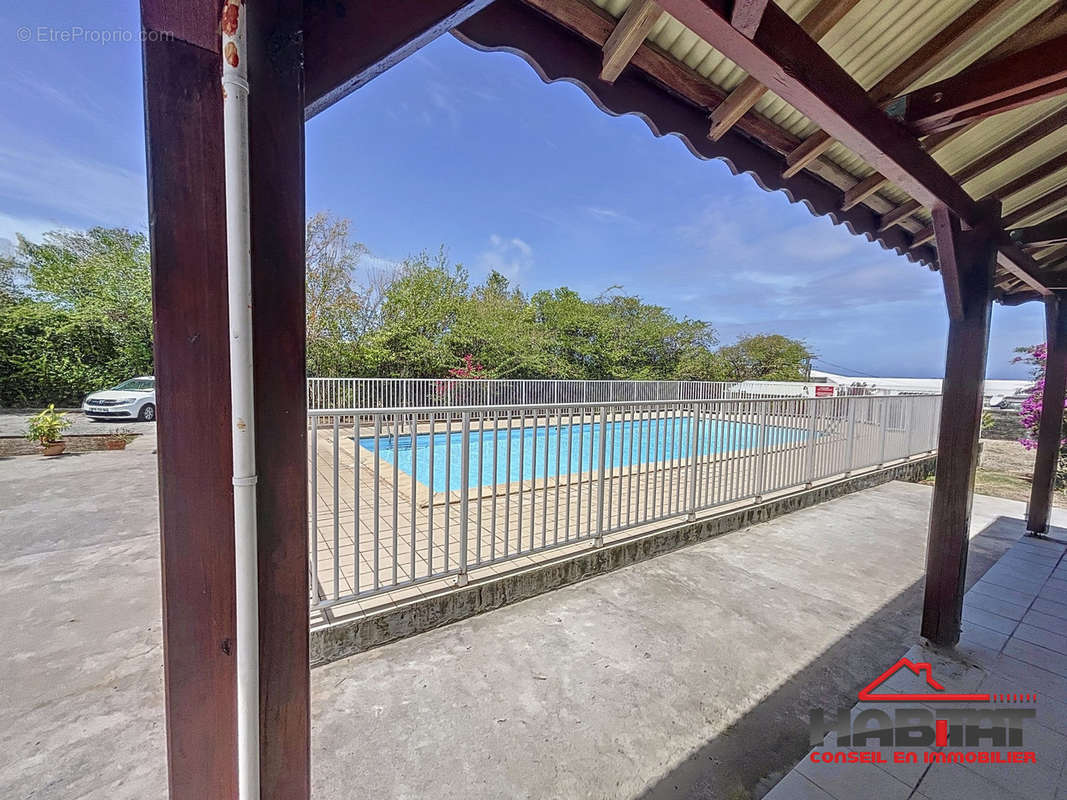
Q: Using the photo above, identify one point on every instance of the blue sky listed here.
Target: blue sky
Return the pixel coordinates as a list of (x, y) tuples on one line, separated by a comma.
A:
[(472, 151)]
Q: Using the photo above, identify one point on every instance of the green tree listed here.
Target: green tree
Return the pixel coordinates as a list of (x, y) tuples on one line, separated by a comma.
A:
[(767, 357), (334, 305), (496, 325), (419, 313), (77, 315)]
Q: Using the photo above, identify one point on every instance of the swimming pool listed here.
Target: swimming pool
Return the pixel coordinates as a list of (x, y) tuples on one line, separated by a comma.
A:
[(497, 457)]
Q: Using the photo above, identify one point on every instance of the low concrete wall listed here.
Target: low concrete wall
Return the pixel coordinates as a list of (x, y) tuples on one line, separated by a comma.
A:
[(347, 637)]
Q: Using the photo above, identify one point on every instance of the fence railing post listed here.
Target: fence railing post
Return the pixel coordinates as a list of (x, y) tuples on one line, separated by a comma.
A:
[(694, 426), (885, 428), (601, 460), (851, 434), (315, 511), (809, 467), (464, 492), (761, 452)]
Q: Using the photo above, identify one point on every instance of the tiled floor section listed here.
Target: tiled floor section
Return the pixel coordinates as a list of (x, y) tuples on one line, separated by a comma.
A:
[(1014, 640)]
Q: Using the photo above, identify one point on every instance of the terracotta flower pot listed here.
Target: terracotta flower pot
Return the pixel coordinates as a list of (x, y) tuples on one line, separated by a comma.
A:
[(54, 448)]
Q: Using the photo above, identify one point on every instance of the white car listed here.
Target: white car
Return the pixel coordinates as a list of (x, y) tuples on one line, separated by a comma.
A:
[(132, 399)]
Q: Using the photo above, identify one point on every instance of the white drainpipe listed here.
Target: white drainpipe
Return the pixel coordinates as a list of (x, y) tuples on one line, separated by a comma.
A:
[(239, 262)]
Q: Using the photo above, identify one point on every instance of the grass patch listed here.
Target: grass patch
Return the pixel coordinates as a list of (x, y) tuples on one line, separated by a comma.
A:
[(1004, 484)]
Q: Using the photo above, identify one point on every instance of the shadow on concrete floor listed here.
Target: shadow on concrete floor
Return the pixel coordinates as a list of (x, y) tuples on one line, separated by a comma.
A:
[(775, 731)]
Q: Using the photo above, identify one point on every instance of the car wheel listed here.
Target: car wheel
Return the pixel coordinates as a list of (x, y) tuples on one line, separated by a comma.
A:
[(147, 413)]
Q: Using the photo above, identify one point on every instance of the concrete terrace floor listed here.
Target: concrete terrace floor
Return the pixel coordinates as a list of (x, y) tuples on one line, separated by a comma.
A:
[(690, 675)]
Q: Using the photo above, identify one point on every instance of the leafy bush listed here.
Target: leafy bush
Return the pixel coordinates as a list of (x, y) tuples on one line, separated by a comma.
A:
[(75, 316), (52, 355)]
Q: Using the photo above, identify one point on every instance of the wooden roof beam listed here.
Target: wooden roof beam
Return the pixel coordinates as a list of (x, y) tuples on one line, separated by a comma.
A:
[(1039, 130), (956, 34), (786, 60), (347, 44), (1051, 231), (816, 23), (633, 28), (1012, 259), (746, 16), (991, 88)]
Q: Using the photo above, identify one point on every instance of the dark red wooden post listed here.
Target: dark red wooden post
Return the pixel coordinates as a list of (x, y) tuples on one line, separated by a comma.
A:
[(183, 120), (276, 147), (183, 98), (1050, 431), (967, 262)]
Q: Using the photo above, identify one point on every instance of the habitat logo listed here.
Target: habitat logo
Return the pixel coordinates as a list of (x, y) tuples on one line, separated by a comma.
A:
[(964, 728)]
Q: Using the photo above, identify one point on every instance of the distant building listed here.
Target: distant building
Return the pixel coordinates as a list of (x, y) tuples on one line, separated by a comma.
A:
[(827, 384)]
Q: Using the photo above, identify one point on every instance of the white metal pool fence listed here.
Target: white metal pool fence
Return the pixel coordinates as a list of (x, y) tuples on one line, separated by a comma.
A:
[(400, 496), (361, 393)]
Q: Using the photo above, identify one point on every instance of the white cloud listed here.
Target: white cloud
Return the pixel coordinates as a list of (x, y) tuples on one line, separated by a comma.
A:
[(77, 191), (607, 214), (508, 256), (30, 227)]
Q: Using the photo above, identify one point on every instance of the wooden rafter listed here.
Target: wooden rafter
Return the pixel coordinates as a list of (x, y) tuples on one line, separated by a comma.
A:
[(560, 37), (986, 89), (783, 56), (871, 184), (1035, 207), (924, 236), (899, 214), (1047, 25), (954, 36), (816, 23), (806, 152), (1012, 259), (1052, 231), (633, 28), (1029, 178), (1016, 144), (1053, 255), (746, 15), (596, 25)]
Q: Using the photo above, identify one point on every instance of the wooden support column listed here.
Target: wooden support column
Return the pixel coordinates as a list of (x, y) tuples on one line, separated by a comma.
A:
[(969, 298), (187, 227), (187, 222), (276, 148), (1050, 431)]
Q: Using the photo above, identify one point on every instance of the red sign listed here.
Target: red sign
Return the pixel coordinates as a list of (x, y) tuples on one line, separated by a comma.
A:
[(824, 391)]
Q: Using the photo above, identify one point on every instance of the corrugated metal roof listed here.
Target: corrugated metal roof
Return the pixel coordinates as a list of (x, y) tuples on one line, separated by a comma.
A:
[(871, 40)]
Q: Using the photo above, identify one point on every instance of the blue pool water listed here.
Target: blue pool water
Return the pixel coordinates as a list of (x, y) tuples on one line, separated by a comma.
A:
[(567, 449)]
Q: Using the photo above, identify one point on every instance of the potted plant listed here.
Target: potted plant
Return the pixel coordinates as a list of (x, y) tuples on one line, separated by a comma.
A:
[(118, 439), (47, 428)]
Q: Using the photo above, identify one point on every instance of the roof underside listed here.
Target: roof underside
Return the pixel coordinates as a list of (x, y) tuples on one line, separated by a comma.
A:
[(870, 41)]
